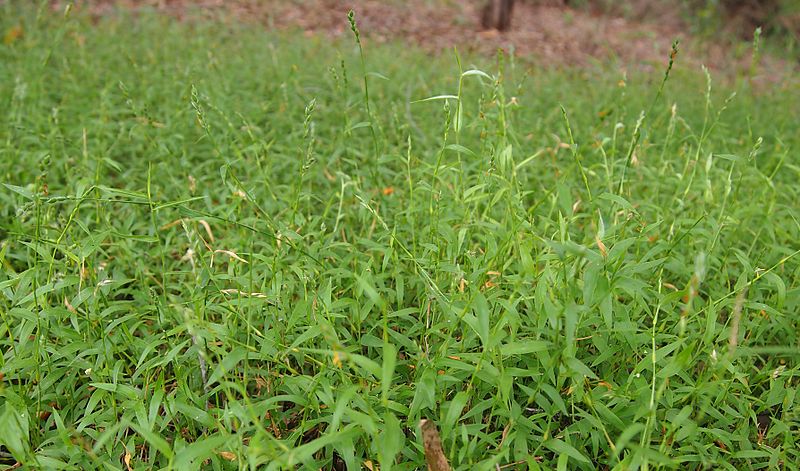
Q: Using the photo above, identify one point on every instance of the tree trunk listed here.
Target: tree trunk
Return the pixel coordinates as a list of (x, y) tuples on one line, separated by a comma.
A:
[(497, 14)]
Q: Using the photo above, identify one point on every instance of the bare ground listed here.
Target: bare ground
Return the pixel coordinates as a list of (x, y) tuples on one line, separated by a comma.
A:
[(544, 31)]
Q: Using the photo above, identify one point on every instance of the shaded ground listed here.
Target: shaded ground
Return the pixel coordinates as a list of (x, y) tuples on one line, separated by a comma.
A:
[(545, 31)]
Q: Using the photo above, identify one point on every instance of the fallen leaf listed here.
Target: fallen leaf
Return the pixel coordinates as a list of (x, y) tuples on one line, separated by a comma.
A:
[(69, 306), (13, 34), (127, 460)]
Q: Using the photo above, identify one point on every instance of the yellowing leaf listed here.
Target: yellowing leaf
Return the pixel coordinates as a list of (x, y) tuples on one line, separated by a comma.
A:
[(127, 460)]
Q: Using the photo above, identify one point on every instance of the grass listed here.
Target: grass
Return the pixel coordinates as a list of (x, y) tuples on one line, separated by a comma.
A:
[(219, 251)]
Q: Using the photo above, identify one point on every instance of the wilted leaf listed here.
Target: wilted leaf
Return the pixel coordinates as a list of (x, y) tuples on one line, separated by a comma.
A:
[(228, 455), (13, 34), (127, 460)]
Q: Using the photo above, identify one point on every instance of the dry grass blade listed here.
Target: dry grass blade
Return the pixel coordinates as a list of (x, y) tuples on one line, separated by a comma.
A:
[(736, 317), (434, 455)]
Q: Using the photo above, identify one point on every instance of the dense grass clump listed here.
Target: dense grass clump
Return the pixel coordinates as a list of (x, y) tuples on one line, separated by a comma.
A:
[(225, 248)]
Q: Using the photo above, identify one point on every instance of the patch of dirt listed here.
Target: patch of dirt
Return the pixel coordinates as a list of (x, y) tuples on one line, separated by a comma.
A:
[(546, 31)]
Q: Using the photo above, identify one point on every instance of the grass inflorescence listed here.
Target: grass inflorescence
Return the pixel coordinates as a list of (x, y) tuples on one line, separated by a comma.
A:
[(219, 250)]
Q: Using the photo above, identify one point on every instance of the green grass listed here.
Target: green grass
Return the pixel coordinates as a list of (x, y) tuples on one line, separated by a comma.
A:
[(219, 251)]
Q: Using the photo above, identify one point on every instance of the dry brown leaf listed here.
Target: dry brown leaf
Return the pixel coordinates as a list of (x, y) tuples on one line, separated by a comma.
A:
[(601, 246), (337, 359), (231, 254), (127, 460), (84, 272), (605, 384), (434, 455), (69, 306), (170, 224), (13, 34), (207, 227), (736, 317)]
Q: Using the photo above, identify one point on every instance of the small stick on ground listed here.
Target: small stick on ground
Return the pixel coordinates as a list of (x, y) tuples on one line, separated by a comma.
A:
[(434, 454)]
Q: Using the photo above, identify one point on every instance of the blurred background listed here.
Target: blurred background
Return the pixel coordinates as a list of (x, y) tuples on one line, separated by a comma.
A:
[(717, 33)]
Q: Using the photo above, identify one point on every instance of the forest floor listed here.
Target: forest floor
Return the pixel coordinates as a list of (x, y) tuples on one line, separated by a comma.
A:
[(638, 34)]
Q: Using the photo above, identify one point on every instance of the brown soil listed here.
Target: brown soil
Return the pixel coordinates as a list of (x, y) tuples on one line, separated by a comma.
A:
[(545, 31)]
